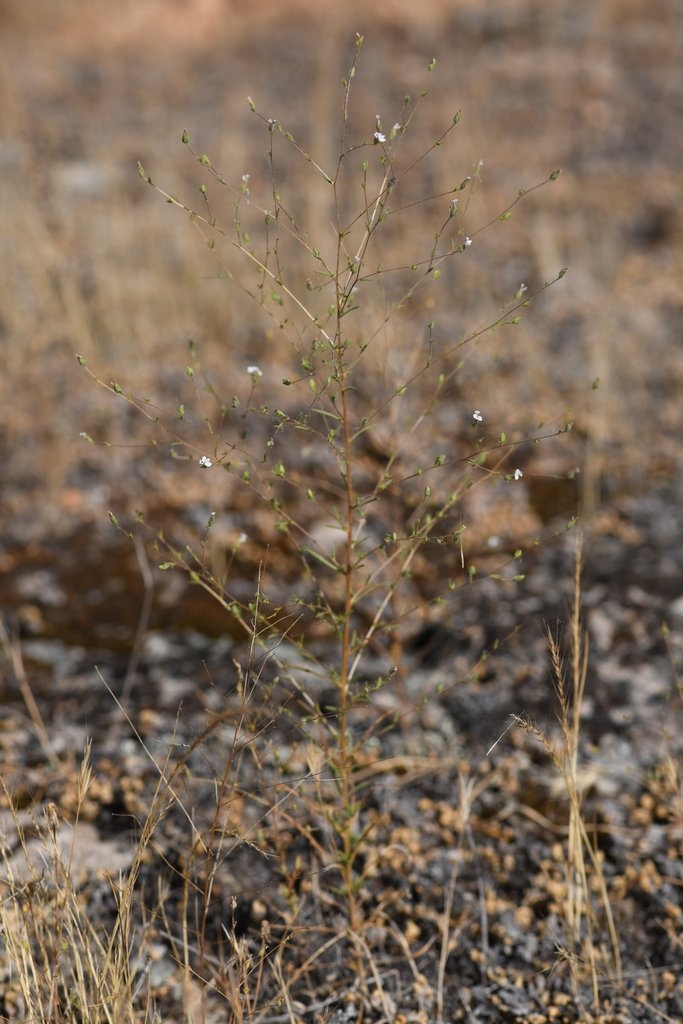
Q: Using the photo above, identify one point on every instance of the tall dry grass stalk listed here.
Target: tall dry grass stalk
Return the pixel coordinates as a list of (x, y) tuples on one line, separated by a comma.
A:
[(592, 941)]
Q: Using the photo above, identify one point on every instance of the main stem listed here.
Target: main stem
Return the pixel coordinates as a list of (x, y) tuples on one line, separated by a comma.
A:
[(346, 783)]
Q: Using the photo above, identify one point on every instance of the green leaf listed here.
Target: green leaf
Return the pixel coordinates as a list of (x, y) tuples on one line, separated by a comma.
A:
[(334, 566)]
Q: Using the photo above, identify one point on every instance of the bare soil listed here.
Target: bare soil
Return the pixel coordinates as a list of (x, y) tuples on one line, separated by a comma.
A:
[(94, 263)]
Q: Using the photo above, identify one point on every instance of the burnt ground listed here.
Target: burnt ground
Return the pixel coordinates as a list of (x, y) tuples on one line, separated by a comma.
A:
[(501, 865), (464, 894)]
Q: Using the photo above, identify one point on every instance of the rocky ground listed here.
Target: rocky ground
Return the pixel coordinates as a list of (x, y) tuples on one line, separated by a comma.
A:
[(457, 819), (465, 902)]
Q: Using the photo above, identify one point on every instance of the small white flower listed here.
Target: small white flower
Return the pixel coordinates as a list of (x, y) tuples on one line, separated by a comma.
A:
[(468, 241), (397, 127), (205, 462), (517, 475), (255, 372), (242, 539), (477, 416), (379, 137), (245, 178)]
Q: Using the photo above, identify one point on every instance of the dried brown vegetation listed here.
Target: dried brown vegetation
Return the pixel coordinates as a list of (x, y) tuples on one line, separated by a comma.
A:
[(246, 857)]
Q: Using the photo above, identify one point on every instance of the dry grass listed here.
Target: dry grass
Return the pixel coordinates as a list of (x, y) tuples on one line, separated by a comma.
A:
[(593, 944), (98, 266)]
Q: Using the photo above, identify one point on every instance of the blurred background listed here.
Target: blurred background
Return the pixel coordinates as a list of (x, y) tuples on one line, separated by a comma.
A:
[(94, 262)]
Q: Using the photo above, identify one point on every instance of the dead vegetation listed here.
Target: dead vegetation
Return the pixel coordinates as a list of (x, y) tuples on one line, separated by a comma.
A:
[(182, 839)]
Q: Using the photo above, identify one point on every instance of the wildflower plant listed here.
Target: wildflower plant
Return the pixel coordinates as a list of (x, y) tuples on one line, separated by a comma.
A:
[(352, 441)]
